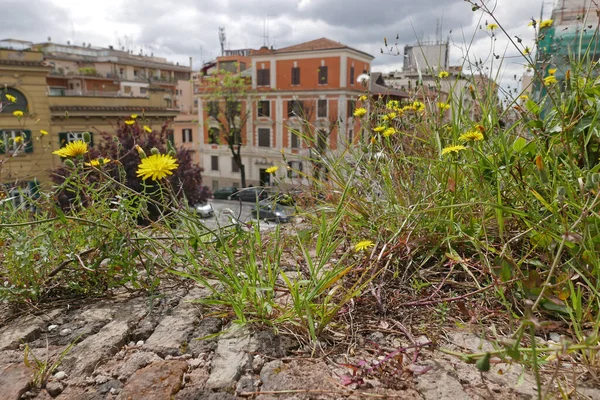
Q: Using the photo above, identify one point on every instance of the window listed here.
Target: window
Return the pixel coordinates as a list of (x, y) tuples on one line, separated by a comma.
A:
[(143, 90), (212, 108), (242, 66), (264, 137), (295, 76), (352, 75), (294, 169), (195, 103), (351, 106), (65, 138), (214, 163), (263, 77), (213, 135), (322, 137), (15, 140), (295, 108), (233, 109), (234, 166), (264, 108), (20, 103), (322, 108), (294, 140), (237, 136), (229, 66), (186, 135), (322, 75)]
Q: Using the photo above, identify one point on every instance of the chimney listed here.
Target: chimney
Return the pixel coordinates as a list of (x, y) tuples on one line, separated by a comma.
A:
[(190, 62)]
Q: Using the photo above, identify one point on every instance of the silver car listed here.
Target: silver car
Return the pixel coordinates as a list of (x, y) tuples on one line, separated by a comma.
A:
[(204, 210)]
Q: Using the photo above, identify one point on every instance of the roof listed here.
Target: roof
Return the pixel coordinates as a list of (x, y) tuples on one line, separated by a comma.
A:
[(377, 87), (22, 63), (318, 45)]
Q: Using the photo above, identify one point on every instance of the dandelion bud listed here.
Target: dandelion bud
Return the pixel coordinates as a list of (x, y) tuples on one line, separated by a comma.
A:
[(87, 137), (589, 184), (172, 153), (140, 151), (170, 147), (154, 151), (69, 163)]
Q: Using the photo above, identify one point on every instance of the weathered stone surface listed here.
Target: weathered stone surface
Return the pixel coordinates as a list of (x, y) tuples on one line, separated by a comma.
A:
[(26, 329), (231, 357), (296, 375), (54, 388), (158, 381), (84, 358), (206, 327), (14, 381), (136, 361), (113, 385), (172, 334)]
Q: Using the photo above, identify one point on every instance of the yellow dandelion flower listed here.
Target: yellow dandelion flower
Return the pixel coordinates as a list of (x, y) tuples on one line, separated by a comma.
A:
[(471, 136), (18, 139), (443, 106), (492, 27), (533, 23), (156, 167), (363, 98), (418, 106), (147, 128), (547, 23), (134, 116), (43, 132), (73, 149), (552, 71), (363, 245), (18, 113), (272, 170), (392, 104), (550, 80), (523, 97), (443, 74), (98, 161), (389, 132), (130, 122), (453, 149), (379, 128), (360, 111), (11, 98), (392, 115)]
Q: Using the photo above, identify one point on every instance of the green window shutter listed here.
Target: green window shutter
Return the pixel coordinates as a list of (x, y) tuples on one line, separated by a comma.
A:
[(91, 139), (62, 139), (34, 188), (28, 141), (2, 144), (171, 137)]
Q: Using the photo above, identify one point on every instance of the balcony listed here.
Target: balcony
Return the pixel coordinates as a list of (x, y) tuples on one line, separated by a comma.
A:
[(60, 92)]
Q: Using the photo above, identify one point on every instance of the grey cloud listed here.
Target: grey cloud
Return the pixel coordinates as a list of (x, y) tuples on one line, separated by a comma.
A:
[(21, 20)]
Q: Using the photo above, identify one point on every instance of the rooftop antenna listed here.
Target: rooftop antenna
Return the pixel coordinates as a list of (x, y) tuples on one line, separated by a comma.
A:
[(437, 30), (222, 39)]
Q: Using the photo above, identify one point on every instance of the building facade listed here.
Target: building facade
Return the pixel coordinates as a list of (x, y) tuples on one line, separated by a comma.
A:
[(296, 92), (64, 91)]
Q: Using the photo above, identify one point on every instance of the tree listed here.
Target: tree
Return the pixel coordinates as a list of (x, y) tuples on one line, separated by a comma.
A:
[(226, 92)]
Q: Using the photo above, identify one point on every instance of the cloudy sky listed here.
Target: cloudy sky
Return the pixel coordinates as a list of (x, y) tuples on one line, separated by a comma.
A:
[(189, 28)]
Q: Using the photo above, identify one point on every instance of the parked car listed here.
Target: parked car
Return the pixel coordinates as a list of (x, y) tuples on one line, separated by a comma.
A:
[(224, 193), (270, 212), (253, 194), (204, 210)]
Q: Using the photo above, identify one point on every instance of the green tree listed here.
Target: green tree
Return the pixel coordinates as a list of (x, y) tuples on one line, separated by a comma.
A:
[(228, 106)]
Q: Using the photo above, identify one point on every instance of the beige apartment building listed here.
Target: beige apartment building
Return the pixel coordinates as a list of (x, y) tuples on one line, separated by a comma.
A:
[(65, 90)]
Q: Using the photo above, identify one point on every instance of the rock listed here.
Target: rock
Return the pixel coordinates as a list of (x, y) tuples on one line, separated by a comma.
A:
[(66, 332), (555, 337), (271, 345), (26, 329), (97, 314), (15, 380), (172, 334), (231, 357), (87, 354), (60, 375), (245, 385), (135, 362), (54, 388), (131, 344), (144, 329), (160, 380), (257, 363), (112, 386), (100, 379), (206, 327), (52, 327), (295, 375), (139, 343)]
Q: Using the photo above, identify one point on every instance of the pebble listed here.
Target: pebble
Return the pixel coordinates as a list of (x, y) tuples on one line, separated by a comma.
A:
[(60, 375), (555, 337), (52, 327), (54, 388), (65, 332), (100, 379), (140, 343), (131, 344)]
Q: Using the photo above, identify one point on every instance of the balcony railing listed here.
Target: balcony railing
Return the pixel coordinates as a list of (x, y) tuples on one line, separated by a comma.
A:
[(91, 93)]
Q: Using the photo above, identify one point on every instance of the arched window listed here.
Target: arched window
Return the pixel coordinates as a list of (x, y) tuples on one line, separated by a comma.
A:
[(8, 94)]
